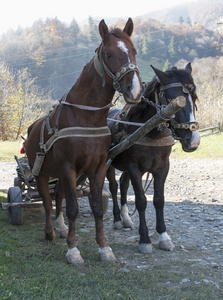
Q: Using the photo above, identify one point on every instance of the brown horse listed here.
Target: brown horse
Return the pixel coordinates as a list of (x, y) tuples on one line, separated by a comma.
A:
[(82, 140)]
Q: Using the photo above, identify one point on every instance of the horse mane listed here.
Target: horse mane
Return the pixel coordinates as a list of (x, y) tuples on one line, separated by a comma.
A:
[(150, 87), (182, 74)]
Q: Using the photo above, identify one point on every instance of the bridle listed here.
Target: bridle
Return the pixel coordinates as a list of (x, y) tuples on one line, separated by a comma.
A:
[(100, 67), (161, 97)]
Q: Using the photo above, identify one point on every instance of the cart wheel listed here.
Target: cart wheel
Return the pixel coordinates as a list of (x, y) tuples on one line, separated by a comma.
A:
[(17, 182), (15, 213)]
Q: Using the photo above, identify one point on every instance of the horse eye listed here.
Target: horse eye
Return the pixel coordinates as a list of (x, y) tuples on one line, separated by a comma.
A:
[(108, 54)]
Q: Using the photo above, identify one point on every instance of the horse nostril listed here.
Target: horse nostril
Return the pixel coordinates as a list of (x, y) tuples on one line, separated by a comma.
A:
[(129, 88)]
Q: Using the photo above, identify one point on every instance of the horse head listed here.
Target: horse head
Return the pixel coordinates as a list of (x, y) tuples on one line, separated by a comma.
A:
[(179, 82), (115, 61)]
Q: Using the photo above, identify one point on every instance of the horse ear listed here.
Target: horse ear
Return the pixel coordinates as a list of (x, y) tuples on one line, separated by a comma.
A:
[(129, 27), (188, 68), (163, 77), (103, 29)]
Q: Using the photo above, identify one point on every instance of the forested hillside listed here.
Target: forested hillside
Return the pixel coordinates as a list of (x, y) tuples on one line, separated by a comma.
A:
[(40, 63), (204, 12)]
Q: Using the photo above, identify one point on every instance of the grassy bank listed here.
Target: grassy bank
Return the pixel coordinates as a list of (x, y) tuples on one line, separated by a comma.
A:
[(32, 268), (8, 149), (211, 146)]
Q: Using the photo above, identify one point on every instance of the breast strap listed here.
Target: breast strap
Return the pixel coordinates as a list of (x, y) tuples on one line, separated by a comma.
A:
[(71, 132)]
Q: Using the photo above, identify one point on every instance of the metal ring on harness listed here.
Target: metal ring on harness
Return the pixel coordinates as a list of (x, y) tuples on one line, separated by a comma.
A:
[(192, 126)]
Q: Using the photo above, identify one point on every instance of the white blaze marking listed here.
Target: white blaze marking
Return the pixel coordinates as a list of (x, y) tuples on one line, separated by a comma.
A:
[(123, 47), (195, 140), (192, 118), (136, 87)]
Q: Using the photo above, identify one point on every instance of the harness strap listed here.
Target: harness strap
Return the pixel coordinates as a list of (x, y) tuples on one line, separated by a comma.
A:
[(73, 132), (165, 141), (126, 122), (100, 67), (85, 107), (148, 142)]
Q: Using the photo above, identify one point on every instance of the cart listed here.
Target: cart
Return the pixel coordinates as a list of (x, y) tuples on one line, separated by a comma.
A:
[(24, 193)]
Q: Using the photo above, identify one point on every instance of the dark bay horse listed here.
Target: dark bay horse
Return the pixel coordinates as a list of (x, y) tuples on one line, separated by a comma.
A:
[(151, 153), (74, 138)]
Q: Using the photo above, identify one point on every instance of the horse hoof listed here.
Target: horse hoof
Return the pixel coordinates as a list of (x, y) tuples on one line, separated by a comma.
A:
[(118, 225), (145, 248), (106, 254), (73, 256), (50, 236), (64, 233), (166, 245), (128, 224)]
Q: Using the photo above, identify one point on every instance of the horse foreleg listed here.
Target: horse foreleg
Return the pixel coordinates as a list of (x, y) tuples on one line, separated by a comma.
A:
[(113, 186), (124, 185), (43, 188), (165, 242), (145, 245), (69, 184), (59, 195), (96, 185)]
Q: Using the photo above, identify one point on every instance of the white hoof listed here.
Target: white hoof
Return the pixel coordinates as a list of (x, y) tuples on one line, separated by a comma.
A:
[(165, 242), (128, 224), (106, 254), (118, 225), (145, 248), (73, 256), (166, 245), (63, 232)]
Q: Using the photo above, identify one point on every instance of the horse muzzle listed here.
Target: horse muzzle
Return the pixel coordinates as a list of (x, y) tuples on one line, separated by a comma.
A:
[(190, 144), (133, 92)]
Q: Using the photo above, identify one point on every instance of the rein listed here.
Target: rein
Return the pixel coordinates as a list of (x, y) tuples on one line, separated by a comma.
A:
[(100, 67)]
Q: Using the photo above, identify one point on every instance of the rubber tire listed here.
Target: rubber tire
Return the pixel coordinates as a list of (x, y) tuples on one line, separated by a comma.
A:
[(15, 214), (17, 182)]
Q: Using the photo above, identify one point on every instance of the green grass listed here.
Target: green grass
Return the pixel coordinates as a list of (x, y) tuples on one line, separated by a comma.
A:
[(210, 147), (8, 149), (32, 268)]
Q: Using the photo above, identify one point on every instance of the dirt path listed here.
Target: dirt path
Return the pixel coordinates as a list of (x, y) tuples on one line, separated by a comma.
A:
[(194, 219)]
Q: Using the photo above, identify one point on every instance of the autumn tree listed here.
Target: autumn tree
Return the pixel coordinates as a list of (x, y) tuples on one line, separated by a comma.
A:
[(21, 103)]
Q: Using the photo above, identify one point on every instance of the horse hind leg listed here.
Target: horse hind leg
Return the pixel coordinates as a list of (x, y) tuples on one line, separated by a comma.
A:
[(43, 188), (59, 195), (113, 186), (124, 184), (145, 245)]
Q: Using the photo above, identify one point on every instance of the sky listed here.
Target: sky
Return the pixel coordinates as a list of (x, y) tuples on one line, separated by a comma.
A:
[(24, 13)]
